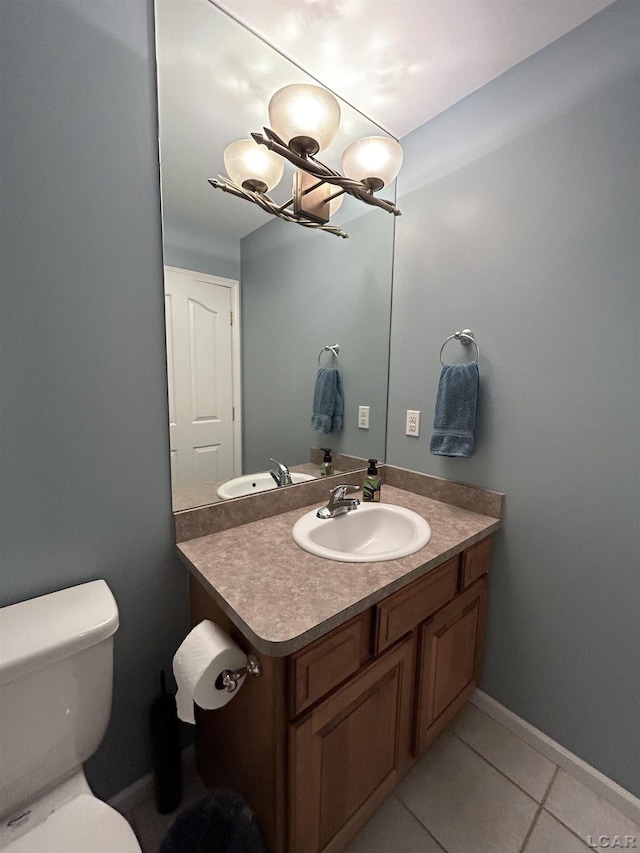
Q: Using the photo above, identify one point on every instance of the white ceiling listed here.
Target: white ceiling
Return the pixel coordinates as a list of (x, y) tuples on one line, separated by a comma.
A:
[(399, 62)]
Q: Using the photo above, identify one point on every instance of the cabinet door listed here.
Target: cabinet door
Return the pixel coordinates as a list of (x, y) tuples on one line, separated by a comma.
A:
[(349, 752), (450, 662)]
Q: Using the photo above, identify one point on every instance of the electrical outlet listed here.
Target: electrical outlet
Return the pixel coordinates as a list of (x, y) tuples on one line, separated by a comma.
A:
[(363, 417), (413, 423)]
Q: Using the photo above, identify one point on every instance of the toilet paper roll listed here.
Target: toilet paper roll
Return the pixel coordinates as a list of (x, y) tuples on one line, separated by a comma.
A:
[(203, 655)]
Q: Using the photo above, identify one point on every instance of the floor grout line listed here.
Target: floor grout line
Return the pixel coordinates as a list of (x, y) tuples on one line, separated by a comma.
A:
[(606, 789), (509, 732), (568, 828), (416, 818), (549, 786), (540, 806), (501, 772), (558, 818), (557, 768), (512, 733), (539, 811)]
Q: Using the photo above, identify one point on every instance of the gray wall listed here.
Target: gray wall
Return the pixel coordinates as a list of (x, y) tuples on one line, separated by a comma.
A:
[(83, 419), (525, 228), (302, 290), (192, 247)]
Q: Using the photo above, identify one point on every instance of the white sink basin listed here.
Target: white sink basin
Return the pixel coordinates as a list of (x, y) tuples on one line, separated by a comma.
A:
[(252, 483), (368, 534)]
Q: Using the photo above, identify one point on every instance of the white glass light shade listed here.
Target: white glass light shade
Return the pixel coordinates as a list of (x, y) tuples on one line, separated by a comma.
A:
[(301, 113), (372, 160), (253, 166)]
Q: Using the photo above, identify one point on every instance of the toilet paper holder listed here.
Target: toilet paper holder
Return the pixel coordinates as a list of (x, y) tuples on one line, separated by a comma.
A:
[(229, 678)]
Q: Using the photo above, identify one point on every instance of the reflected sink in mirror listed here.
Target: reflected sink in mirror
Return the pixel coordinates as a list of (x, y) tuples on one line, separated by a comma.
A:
[(251, 484), (371, 533)]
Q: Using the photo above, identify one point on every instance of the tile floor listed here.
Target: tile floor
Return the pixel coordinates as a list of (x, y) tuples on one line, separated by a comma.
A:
[(478, 789)]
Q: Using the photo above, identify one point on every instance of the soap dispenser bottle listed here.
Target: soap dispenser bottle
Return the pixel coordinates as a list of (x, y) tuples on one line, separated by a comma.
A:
[(326, 469), (372, 482)]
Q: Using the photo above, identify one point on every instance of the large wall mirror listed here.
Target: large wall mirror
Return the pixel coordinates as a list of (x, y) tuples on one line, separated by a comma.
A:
[(241, 394)]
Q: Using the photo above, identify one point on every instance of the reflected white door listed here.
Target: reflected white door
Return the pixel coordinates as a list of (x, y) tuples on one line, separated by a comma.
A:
[(200, 372)]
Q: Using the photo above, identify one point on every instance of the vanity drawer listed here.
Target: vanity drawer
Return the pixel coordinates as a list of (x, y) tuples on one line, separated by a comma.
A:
[(321, 666), (475, 562), (408, 607)]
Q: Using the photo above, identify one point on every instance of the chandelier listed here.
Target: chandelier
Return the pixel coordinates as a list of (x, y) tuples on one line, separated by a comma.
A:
[(304, 121)]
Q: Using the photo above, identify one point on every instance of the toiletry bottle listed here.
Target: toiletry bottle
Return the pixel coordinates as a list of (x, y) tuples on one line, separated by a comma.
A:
[(371, 487), (326, 469)]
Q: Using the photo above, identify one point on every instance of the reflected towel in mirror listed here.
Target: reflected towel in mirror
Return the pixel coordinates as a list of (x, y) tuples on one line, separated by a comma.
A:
[(328, 401)]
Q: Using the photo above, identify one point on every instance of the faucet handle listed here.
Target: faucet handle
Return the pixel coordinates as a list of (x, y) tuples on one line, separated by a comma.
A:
[(337, 501), (340, 491)]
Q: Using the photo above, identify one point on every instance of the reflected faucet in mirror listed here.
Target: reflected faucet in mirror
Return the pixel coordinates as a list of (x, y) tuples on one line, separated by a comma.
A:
[(280, 474)]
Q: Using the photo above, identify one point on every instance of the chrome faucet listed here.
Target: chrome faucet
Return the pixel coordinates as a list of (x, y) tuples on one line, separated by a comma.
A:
[(338, 503), (281, 474)]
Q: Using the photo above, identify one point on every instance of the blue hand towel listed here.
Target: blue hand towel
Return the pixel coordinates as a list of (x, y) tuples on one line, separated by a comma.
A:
[(455, 414), (328, 401)]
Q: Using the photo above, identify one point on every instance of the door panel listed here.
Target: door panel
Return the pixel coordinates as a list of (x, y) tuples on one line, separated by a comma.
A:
[(199, 363), (206, 336)]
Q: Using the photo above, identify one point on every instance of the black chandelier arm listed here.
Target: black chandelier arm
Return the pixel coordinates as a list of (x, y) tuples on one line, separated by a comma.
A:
[(318, 170), (267, 204)]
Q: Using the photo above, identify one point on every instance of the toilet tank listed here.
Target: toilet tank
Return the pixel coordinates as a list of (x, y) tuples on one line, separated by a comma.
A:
[(56, 679)]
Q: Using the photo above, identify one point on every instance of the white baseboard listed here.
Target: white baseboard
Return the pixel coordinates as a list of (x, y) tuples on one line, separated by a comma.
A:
[(142, 788), (591, 778), (133, 795)]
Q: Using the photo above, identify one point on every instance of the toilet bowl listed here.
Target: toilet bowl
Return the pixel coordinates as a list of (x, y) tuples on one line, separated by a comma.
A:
[(56, 679)]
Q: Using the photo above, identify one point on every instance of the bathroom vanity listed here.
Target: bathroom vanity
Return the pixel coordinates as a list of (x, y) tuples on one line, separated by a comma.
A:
[(362, 665)]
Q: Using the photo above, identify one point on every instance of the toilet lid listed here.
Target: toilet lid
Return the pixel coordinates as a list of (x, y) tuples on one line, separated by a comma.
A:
[(85, 825)]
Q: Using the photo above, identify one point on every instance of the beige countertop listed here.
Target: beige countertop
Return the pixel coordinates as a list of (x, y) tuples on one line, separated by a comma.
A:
[(283, 598)]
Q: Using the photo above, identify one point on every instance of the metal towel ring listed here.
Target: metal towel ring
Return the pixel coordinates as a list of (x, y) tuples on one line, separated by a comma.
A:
[(465, 337), (334, 349)]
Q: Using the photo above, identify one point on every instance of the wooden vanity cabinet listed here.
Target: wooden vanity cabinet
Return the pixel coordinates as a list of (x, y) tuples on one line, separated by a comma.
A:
[(318, 742)]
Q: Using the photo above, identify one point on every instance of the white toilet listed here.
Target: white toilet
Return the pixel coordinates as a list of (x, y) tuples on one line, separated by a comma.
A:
[(56, 678)]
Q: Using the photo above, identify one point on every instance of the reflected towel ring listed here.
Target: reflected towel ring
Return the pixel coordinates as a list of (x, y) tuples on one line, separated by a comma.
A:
[(465, 337), (334, 349)]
